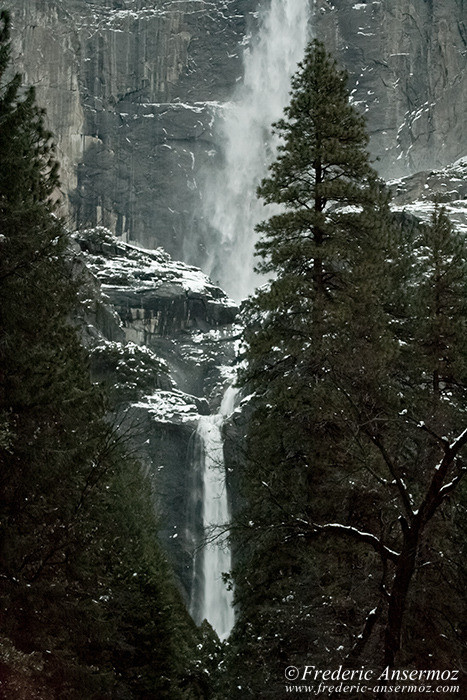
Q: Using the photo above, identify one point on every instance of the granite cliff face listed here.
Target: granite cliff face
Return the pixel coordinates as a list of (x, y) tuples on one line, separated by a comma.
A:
[(162, 337), (129, 87), (408, 60), (133, 89), (415, 194)]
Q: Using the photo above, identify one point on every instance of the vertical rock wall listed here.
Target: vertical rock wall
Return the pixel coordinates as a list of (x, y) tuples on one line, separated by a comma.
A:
[(131, 88), (408, 61), (46, 52)]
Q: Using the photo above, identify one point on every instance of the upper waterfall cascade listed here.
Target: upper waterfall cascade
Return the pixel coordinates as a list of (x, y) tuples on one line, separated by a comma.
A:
[(231, 207), (211, 599)]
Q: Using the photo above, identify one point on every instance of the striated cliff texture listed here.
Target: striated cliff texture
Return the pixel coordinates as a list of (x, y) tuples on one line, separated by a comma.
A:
[(415, 194), (408, 61), (129, 86), (135, 92), (134, 89)]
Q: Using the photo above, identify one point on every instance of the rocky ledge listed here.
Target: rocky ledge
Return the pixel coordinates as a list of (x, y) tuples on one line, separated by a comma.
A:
[(162, 337), (153, 294)]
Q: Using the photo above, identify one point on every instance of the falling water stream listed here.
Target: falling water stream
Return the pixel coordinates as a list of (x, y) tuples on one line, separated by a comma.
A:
[(211, 599), (230, 204), (232, 210)]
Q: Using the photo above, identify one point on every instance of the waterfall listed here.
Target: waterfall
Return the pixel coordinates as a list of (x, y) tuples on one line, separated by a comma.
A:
[(211, 600), (230, 205)]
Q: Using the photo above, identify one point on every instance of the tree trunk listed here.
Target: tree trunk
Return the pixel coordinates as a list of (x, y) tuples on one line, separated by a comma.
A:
[(398, 597)]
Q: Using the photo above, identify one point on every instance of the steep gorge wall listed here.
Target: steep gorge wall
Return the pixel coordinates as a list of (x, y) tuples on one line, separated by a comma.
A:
[(162, 338), (133, 88)]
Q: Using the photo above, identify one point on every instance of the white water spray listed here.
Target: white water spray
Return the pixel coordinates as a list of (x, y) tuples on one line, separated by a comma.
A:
[(230, 204), (211, 600)]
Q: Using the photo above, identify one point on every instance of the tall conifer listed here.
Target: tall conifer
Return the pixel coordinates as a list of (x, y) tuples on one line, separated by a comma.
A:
[(308, 332), (349, 347), (89, 608)]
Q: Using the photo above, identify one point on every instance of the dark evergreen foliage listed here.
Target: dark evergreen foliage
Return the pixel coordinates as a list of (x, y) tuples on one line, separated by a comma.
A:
[(356, 361), (89, 608)]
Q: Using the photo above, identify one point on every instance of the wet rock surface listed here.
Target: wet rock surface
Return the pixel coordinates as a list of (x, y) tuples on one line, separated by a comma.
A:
[(133, 89), (407, 61), (130, 87)]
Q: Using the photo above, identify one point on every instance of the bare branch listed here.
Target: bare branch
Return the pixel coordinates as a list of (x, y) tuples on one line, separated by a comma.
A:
[(362, 639), (449, 488), (404, 494), (442, 440), (436, 492), (366, 537)]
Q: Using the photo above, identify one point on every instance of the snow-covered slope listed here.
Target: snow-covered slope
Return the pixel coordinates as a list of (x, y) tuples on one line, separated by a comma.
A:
[(418, 193)]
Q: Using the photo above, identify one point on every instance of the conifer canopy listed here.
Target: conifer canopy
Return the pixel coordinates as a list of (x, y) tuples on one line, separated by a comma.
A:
[(356, 380)]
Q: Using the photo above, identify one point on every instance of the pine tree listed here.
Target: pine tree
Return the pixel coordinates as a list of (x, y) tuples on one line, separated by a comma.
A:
[(89, 607), (307, 337), (51, 452), (347, 368), (440, 304), (426, 440), (332, 221)]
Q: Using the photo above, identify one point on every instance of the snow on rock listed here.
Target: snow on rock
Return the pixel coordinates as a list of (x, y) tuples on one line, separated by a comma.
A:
[(173, 407), (135, 369), (418, 193), (153, 294), (163, 339)]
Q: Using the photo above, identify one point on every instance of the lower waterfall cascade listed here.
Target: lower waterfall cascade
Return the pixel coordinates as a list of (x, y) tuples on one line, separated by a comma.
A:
[(211, 600), (232, 210)]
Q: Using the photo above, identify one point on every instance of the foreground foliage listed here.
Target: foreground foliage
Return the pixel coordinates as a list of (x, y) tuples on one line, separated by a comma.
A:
[(355, 353), (89, 608)]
